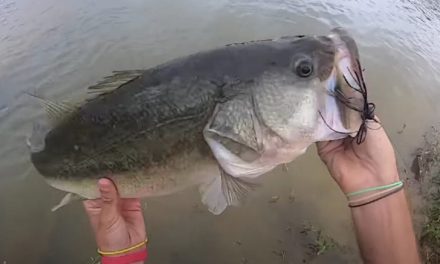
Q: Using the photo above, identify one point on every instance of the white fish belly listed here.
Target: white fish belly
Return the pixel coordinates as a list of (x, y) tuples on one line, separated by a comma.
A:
[(177, 175)]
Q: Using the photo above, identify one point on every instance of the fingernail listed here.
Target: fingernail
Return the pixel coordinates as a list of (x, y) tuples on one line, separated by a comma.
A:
[(104, 182), (104, 185)]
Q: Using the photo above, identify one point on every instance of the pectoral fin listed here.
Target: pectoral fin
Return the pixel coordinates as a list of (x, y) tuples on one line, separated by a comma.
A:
[(213, 197), (224, 190), (235, 189)]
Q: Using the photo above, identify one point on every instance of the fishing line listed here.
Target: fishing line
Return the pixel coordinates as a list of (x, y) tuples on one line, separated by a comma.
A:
[(367, 111)]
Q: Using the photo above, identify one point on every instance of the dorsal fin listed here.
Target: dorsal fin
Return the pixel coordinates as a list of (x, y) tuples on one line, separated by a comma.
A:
[(265, 40), (113, 82), (56, 111), (247, 42)]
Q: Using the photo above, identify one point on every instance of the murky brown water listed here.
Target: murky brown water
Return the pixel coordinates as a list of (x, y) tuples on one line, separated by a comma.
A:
[(61, 47)]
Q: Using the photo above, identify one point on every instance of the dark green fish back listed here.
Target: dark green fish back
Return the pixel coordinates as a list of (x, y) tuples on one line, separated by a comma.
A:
[(158, 112), (129, 128)]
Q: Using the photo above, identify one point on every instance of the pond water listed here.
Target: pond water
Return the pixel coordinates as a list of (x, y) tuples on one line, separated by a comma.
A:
[(59, 48)]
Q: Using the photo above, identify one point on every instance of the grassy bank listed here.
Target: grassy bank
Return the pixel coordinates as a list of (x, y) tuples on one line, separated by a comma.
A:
[(430, 238), (426, 167)]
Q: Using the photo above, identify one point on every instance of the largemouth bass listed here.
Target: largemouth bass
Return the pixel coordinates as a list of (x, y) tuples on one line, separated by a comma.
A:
[(215, 119)]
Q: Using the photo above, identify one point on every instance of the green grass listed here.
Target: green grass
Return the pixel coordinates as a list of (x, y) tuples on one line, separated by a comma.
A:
[(429, 166), (430, 238)]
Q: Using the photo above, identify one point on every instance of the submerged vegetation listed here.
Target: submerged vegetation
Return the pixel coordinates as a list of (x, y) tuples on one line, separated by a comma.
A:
[(320, 242), (94, 260)]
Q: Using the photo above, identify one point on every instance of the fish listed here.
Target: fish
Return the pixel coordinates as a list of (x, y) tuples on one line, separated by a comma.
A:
[(216, 119)]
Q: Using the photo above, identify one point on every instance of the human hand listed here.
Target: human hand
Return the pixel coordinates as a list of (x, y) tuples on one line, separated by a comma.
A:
[(117, 223), (358, 166)]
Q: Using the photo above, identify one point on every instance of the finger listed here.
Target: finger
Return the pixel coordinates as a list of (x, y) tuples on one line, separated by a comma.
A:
[(92, 205), (131, 204), (325, 147), (93, 210), (322, 144), (133, 215), (376, 135), (110, 200)]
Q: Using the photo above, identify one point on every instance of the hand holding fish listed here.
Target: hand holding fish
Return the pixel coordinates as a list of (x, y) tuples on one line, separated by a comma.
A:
[(358, 166), (117, 223), (383, 225), (216, 119)]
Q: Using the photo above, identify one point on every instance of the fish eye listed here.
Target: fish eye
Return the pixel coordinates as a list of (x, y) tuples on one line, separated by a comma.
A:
[(304, 68)]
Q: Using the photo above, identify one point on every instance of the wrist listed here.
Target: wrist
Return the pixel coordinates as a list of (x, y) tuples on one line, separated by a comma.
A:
[(122, 248), (354, 182), (133, 254), (136, 256), (136, 250)]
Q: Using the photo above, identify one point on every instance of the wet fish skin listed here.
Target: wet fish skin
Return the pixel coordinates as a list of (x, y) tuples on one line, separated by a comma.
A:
[(112, 135), (118, 131), (211, 118)]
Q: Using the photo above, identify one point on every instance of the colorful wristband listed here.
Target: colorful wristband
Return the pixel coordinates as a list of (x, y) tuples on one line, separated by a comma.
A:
[(127, 258), (123, 251)]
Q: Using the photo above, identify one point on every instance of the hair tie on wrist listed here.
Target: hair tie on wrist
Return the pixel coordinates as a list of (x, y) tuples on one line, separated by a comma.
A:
[(122, 251), (377, 188), (379, 193)]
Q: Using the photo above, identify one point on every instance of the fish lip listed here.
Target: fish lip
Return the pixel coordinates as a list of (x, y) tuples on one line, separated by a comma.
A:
[(348, 90), (346, 59), (346, 63), (348, 73), (331, 83)]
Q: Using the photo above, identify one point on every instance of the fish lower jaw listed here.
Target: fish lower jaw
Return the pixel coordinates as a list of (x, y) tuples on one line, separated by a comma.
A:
[(286, 153)]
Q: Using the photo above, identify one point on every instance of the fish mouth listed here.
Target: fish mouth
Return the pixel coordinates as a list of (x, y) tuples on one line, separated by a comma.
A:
[(348, 87)]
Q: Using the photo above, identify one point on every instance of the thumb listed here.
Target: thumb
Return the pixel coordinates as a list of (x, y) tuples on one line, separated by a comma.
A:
[(110, 202), (321, 144), (321, 147), (325, 147)]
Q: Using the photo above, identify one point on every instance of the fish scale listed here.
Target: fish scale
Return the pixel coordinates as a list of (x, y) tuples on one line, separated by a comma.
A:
[(217, 119)]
